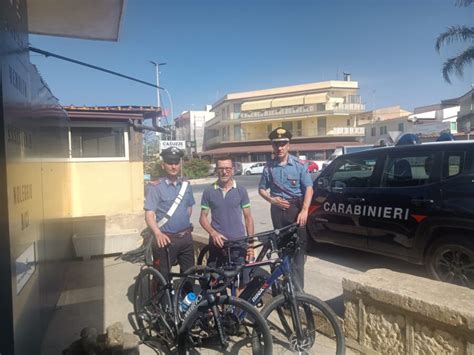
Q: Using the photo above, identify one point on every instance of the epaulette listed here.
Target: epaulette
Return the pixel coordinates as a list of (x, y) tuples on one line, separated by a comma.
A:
[(156, 182)]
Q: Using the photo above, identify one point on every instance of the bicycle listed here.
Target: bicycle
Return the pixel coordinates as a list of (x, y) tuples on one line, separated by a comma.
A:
[(207, 322), (297, 320)]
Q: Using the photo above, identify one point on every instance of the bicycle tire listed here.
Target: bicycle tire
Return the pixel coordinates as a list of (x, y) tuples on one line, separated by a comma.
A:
[(152, 306), (202, 255), (319, 332), (200, 319)]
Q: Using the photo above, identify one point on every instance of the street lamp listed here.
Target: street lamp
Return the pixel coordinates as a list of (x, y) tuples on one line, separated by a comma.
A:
[(157, 69)]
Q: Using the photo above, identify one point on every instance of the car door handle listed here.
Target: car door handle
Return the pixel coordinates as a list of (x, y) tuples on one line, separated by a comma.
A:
[(356, 200), (322, 220), (421, 201)]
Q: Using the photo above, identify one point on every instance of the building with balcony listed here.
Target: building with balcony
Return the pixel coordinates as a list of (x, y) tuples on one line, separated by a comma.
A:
[(190, 127), (465, 119), (318, 114)]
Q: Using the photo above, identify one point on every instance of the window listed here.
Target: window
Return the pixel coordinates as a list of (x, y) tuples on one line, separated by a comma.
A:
[(348, 123), (373, 131), (288, 126), (237, 133), (353, 172), (237, 108), (314, 155), (321, 107), (405, 171), (383, 130), (269, 128), (98, 142), (452, 164), (400, 127)]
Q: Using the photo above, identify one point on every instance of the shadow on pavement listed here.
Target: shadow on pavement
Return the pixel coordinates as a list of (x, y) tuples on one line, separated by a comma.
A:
[(361, 260)]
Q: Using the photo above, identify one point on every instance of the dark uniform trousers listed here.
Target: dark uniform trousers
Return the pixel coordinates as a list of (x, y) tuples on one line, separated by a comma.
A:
[(181, 250), (282, 218)]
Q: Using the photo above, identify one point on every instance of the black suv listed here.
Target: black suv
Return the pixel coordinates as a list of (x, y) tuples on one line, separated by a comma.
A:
[(412, 202)]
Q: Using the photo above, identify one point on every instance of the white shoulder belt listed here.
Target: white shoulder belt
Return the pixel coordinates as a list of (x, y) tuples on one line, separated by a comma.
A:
[(175, 204)]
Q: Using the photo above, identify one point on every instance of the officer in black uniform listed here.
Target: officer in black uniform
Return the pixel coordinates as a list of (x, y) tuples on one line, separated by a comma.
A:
[(168, 208), (290, 191)]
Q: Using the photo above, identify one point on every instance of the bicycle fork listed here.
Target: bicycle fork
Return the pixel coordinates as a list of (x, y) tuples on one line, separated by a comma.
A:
[(295, 318), (215, 313)]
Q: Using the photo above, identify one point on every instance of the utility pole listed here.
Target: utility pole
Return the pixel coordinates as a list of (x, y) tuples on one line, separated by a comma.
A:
[(157, 70), (158, 97)]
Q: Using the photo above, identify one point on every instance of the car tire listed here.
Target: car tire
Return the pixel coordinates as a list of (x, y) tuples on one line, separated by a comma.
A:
[(448, 260), (248, 172)]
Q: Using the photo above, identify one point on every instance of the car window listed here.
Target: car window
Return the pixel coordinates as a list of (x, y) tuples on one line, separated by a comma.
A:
[(453, 164), (356, 149), (353, 172), (410, 170)]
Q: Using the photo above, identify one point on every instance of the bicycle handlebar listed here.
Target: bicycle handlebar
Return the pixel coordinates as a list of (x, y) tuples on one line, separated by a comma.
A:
[(291, 228)]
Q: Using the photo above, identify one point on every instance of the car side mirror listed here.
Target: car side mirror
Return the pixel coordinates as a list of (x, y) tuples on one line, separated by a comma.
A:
[(323, 183)]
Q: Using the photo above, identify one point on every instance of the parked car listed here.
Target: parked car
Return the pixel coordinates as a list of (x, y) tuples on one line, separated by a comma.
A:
[(312, 166), (413, 202), (237, 168), (256, 168), (212, 169), (345, 150)]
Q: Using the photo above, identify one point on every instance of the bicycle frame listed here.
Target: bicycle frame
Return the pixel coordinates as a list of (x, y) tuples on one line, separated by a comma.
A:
[(283, 268)]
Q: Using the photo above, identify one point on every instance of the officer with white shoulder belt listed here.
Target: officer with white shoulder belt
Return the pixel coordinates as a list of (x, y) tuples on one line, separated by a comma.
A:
[(168, 208), (287, 185)]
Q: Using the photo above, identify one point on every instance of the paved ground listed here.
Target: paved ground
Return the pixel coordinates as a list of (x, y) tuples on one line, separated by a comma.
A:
[(97, 292)]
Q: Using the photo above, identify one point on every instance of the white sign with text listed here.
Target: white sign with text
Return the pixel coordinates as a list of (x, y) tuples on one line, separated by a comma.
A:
[(177, 144)]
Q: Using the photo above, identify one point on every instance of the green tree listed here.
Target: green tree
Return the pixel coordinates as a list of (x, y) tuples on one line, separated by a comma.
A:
[(192, 169), (196, 168), (454, 34)]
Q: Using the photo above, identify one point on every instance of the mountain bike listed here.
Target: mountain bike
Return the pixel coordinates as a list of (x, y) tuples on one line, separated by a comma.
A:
[(208, 322), (299, 322)]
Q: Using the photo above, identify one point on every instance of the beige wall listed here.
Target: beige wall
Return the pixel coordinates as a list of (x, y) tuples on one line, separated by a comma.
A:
[(106, 188)]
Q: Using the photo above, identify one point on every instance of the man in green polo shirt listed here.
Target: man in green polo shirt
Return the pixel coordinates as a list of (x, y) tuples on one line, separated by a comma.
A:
[(227, 202)]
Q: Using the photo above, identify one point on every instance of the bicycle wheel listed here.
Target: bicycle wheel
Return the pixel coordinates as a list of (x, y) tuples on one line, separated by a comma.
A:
[(203, 255), (321, 330), (230, 325), (152, 307)]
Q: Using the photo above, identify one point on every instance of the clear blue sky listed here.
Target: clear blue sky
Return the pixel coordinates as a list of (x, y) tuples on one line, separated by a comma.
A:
[(214, 47)]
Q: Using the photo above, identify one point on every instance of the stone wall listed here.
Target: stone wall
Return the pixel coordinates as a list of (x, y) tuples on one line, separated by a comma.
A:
[(392, 313)]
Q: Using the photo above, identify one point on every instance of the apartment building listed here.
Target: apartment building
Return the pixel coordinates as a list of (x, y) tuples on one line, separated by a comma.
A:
[(318, 114), (465, 120), (190, 127)]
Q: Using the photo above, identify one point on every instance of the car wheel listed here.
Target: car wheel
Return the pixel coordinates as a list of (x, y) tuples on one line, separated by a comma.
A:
[(248, 172), (451, 259)]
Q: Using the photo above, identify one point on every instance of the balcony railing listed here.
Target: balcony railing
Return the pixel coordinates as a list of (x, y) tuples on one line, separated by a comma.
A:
[(258, 136), (293, 111), (347, 131)]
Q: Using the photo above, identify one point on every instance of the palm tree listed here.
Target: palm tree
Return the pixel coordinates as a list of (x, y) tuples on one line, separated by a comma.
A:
[(457, 33)]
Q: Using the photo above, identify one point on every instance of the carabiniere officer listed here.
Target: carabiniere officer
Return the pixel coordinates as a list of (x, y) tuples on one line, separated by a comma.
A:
[(171, 226), (287, 185)]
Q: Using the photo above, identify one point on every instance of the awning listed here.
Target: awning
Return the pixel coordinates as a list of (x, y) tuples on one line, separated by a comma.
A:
[(288, 101), (315, 98), (256, 105), (267, 148), (87, 19)]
